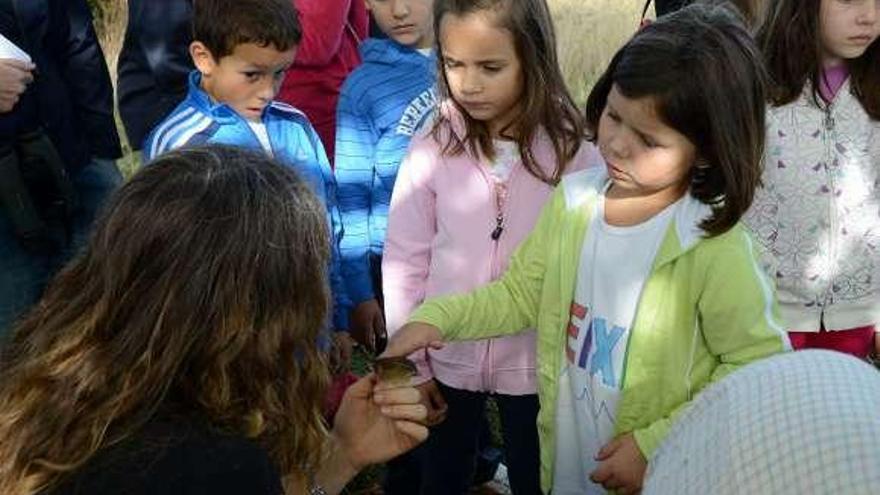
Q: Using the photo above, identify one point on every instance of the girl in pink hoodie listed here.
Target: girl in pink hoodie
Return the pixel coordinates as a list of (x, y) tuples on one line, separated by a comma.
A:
[(468, 192)]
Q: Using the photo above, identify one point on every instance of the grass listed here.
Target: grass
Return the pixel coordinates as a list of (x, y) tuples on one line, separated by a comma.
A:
[(588, 34)]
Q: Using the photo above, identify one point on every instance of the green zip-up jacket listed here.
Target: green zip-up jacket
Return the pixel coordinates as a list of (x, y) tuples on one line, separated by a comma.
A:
[(706, 309)]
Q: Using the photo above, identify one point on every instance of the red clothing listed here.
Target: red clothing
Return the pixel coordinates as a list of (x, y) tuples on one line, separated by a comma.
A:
[(332, 31), (858, 342)]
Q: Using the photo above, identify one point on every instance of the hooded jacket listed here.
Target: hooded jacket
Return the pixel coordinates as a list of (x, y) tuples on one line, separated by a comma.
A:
[(198, 120), (443, 214), (817, 218), (383, 103), (706, 309)]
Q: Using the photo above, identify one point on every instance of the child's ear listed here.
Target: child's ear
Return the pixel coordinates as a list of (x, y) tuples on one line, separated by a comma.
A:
[(202, 58)]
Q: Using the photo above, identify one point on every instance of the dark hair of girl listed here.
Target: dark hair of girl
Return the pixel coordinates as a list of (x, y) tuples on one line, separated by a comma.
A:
[(703, 72)]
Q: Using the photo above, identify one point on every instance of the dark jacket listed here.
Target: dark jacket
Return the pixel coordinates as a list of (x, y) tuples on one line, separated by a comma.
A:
[(175, 454), (154, 64), (71, 97)]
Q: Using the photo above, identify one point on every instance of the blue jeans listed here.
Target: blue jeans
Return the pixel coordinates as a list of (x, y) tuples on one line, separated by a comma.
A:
[(24, 275), (451, 449)]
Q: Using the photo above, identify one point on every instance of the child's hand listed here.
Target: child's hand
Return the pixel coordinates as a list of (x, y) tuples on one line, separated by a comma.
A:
[(368, 325), (340, 352), (412, 337), (621, 466)]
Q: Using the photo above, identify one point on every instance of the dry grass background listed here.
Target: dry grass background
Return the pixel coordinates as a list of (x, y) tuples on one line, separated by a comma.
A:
[(588, 33)]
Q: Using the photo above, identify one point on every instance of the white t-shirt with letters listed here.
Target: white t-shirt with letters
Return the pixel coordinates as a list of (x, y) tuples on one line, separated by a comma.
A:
[(614, 265)]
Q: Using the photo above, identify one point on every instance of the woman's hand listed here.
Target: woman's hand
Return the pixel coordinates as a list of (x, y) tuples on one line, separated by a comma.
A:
[(412, 337), (374, 424)]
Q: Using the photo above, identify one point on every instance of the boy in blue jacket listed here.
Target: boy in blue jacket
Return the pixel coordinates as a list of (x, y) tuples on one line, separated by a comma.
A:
[(241, 50), (382, 104)]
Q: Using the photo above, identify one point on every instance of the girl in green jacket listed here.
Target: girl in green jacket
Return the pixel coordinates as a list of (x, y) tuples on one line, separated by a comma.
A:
[(638, 276)]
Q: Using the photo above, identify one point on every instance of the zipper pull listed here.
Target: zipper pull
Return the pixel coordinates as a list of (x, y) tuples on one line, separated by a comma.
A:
[(499, 228), (829, 120)]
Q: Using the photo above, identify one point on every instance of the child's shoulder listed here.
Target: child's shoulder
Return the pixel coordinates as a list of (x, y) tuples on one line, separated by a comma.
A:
[(182, 123), (385, 69), (290, 118)]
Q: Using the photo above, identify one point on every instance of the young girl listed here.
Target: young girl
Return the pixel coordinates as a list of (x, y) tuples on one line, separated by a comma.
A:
[(816, 217), (467, 194), (638, 275), (177, 353)]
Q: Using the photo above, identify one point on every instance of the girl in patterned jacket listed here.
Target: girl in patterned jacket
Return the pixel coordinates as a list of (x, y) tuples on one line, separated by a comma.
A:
[(816, 217)]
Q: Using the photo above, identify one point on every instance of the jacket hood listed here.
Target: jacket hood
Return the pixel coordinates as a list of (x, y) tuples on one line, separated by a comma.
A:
[(392, 53), (583, 187)]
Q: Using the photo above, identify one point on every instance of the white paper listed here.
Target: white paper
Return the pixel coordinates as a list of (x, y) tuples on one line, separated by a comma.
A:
[(8, 49)]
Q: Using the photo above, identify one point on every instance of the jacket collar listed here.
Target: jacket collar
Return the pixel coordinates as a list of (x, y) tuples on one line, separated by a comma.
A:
[(541, 147), (221, 112), (582, 190)]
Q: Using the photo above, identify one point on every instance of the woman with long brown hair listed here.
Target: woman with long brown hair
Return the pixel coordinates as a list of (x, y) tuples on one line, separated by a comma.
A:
[(179, 352)]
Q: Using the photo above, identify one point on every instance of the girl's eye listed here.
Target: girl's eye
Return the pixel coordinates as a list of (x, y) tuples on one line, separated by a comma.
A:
[(449, 64), (252, 76), (492, 68), (613, 116), (650, 143)]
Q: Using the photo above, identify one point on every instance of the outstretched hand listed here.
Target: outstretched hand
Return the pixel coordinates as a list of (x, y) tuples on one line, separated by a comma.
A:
[(412, 337)]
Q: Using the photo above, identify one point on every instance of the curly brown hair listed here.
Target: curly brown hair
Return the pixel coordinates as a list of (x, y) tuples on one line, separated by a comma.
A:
[(203, 285)]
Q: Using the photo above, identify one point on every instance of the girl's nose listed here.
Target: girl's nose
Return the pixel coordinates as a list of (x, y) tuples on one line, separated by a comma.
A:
[(471, 83), (400, 9), (869, 13), (616, 144)]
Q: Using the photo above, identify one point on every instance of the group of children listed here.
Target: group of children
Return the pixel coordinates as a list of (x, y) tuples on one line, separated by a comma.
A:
[(597, 270)]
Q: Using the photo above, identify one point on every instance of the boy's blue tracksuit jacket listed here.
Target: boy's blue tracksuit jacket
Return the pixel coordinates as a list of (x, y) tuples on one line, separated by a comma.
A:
[(387, 99), (198, 120)]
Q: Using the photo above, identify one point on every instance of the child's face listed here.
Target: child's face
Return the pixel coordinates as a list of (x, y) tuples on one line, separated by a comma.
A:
[(247, 79), (644, 156), (408, 22), (482, 68), (847, 28)]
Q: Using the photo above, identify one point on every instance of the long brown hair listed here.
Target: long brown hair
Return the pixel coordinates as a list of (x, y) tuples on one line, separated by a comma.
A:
[(204, 286), (546, 102), (789, 36), (704, 73)]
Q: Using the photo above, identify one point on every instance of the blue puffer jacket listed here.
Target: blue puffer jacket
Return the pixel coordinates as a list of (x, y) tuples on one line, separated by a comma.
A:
[(71, 97), (198, 120)]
